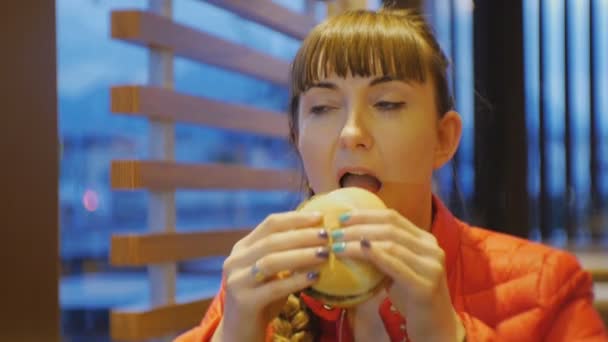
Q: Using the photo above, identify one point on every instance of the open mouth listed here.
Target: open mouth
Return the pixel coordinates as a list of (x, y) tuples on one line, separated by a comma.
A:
[(361, 180)]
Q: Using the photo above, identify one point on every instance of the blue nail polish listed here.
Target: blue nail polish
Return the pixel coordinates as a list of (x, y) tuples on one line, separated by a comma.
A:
[(338, 247), (337, 234), (344, 217)]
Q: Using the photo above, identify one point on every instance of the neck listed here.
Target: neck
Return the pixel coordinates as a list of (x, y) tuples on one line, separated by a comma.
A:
[(422, 215), (417, 209), (368, 311), (365, 321)]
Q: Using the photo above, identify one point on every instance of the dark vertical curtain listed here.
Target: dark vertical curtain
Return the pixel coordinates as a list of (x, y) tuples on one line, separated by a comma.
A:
[(501, 199)]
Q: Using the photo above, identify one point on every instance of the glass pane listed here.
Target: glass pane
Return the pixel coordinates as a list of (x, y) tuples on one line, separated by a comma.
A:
[(553, 89), (464, 94), (579, 99), (532, 105), (600, 61)]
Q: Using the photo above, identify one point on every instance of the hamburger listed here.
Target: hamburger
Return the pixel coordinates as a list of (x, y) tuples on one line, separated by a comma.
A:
[(344, 282)]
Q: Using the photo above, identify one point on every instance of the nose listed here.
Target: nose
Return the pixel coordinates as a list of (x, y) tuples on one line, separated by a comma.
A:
[(355, 134)]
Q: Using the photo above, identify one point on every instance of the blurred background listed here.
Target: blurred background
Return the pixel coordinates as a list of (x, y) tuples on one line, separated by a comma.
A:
[(529, 78), (89, 62)]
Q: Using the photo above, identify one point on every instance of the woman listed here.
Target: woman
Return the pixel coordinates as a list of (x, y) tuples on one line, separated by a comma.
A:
[(371, 108)]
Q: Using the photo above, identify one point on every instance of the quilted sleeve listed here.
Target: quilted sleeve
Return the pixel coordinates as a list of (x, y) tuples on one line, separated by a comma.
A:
[(564, 312), (568, 290), (204, 332)]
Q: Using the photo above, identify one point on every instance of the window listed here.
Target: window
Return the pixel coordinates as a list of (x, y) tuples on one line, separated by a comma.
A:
[(89, 63)]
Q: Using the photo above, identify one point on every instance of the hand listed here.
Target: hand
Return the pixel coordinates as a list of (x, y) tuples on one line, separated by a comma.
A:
[(413, 260), (282, 242)]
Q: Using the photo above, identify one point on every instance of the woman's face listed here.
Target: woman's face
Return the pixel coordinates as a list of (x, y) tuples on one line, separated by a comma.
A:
[(377, 133)]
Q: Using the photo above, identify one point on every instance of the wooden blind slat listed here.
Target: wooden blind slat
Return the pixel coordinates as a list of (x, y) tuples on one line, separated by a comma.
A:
[(599, 274), (142, 249), (596, 263), (166, 105), (151, 30), (162, 175), (160, 321), (269, 14), (601, 300)]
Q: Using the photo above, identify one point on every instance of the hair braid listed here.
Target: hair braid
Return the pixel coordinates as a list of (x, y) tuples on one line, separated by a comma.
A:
[(295, 322)]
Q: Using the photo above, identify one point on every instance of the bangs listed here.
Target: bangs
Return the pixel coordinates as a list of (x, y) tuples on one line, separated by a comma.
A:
[(364, 44)]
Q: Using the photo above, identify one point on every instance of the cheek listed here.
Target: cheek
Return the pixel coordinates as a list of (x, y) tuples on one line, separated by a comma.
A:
[(408, 151), (315, 145)]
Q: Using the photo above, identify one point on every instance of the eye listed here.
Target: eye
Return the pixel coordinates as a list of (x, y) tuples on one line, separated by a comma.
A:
[(320, 109), (388, 106)]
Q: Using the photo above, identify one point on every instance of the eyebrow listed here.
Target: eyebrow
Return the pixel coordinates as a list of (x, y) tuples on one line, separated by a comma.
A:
[(374, 82), (325, 85)]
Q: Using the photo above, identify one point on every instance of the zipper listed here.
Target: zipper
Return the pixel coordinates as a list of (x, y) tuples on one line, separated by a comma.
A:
[(341, 324)]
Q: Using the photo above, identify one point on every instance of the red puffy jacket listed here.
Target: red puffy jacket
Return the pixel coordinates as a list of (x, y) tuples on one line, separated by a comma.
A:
[(504, 289)]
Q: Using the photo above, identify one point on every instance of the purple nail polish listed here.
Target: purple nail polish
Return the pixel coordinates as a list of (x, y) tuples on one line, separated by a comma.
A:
[(323, 234), (366, 244), (322, 253), (313, 275)]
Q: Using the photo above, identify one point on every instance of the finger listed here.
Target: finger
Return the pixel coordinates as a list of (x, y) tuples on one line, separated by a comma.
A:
[(272, 264), (278, 289), (378, 216), (398, 270), (421, 265), (281, 222), (391, 266), (385, 232), (281, 241)]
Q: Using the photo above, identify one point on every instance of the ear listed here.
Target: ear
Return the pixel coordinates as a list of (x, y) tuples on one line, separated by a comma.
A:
[(449, 131)]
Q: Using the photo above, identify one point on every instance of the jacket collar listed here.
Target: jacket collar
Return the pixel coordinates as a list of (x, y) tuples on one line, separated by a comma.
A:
[(446, 230)]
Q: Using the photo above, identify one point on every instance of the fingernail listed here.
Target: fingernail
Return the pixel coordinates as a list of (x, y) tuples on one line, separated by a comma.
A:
[(322, 253), (323, 234), (344, 217), (312, 275), (337, 234), (366, 244), (338, 247)]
